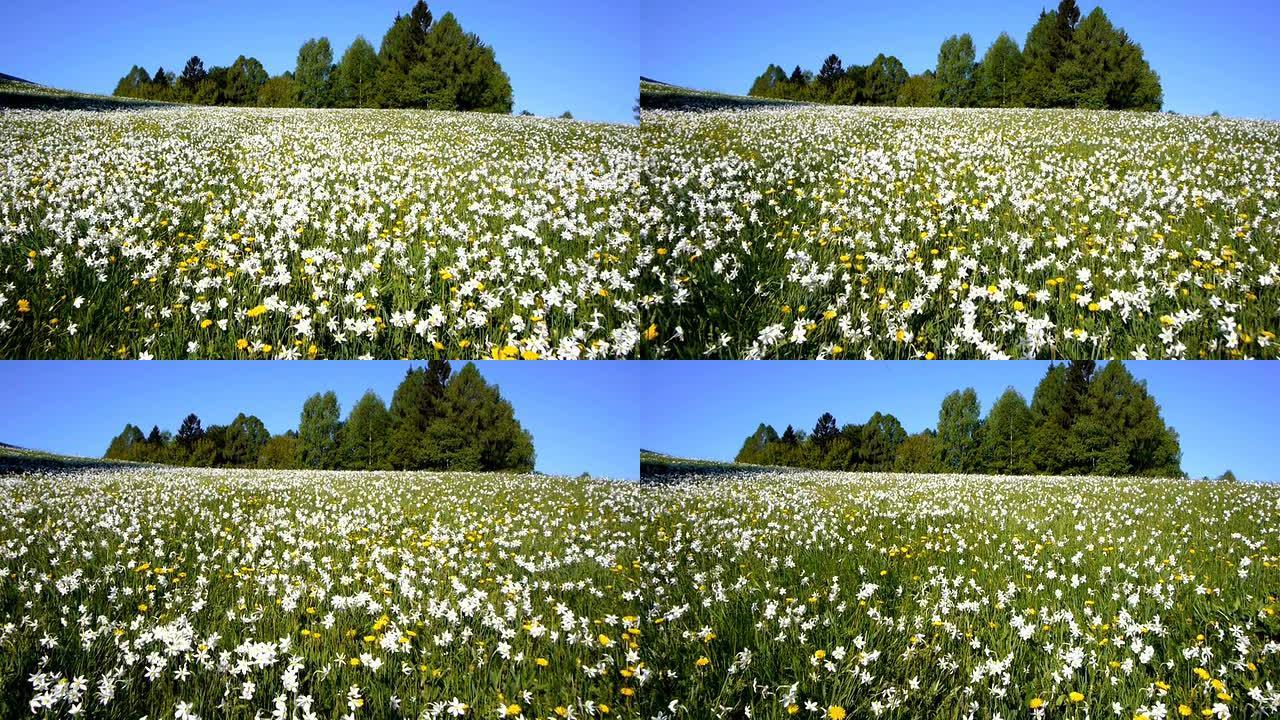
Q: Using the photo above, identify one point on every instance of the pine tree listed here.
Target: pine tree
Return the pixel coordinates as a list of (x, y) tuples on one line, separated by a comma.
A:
[(416, 404), (1042, 53), (824, 430), (190, 431)]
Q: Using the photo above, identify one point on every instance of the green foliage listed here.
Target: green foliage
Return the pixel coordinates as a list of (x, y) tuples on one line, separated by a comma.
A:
[(421, 64), (998, 79), (1079, 422), (280, 453), (955, 71), (364, 436), (314, 73), (919, 453), (1006, 440), (280, 91), (1065, 62), (319, 430), (355, 78), (436, 421), (243, 441), (960, 431), (919, 91)]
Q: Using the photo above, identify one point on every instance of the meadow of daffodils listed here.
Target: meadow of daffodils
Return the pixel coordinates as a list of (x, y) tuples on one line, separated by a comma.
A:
[(246, 233), (292, 595), (811, 232)]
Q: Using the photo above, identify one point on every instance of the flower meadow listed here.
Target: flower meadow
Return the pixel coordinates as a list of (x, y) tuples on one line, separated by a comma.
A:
[(247, 233), (759, 593), (895, 233), (274, 594)]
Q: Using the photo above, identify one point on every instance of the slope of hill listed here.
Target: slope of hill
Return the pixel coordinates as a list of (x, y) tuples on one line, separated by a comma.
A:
[(15, 460), (16, 93), (656, 95)]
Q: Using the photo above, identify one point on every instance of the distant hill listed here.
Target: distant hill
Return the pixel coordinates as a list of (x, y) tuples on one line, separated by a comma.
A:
[(15, 460), (657, 467), (655, 95), (16, 93)]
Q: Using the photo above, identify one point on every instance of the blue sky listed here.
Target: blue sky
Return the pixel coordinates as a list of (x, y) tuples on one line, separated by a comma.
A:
[(581, 414), (576, 55), (1225, 412), (1210, 55)]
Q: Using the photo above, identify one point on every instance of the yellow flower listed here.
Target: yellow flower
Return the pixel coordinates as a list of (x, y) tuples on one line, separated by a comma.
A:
[(929, 355), (513, 709), (792, 709), (1075, 696), (651, 333), (266, 349), (604, 640), (820, 654), (204, 324), (830, 315), (702, 661), (1036, 703), (541, 662), (1184, 710), (354, 662), (1202, 673), (835, 712), (837, 349), (627, 691), (1094, 307), (1019, 306), (24, 306), (257, 311)]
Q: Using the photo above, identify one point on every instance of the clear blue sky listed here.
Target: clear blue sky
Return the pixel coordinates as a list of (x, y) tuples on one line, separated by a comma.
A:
[(577, 55), (1225, 412), (581, 414), (1210, 55)]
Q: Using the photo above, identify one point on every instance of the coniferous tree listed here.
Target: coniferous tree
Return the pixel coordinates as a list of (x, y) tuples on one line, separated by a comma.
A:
[(416, 404), (1042, 53), (190, 431), (831, 72), (824, 430), (192, 74)]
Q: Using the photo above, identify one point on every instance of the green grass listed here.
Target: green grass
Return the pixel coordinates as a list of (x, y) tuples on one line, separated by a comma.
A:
[(797, 231)]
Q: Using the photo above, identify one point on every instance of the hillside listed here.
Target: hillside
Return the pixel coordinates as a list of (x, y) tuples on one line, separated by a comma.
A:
[(17, 460), (16, 93), (656, 95)]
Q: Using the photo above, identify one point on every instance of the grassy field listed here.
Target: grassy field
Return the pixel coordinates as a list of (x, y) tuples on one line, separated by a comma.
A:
[(245, 233), (242, 594), (798, 231), (161, 592)]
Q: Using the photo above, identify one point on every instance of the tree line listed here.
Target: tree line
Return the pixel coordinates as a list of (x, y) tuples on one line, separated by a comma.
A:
[(1081, 421), (437, 421), (1065, 62), (421, 63)]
